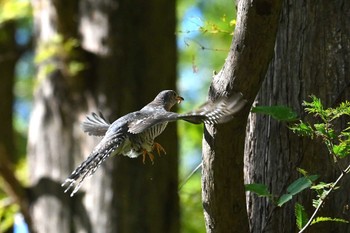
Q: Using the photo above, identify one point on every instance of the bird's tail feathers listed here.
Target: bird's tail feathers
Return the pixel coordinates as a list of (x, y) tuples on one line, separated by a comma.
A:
[(87, 168)]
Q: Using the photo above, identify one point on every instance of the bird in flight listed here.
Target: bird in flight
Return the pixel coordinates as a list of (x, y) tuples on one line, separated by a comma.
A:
[(133, 134)]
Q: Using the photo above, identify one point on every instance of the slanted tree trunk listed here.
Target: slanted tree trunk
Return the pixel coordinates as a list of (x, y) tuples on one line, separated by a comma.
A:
[(223, 146), (129, 55), (311, 57)]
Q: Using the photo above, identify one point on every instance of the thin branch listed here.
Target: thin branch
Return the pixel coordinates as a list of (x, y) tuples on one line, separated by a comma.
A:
[(189, 176), (201, 46), (324, 198)]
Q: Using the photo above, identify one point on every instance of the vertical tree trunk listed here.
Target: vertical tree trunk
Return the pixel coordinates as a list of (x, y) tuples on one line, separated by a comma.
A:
[(130, 55), (311, 57), (8, 153), (8, 59), (223, 146)]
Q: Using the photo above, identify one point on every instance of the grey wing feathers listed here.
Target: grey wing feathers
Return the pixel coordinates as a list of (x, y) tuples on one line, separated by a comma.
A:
[(95, 125), (219, 111), (140, 125)]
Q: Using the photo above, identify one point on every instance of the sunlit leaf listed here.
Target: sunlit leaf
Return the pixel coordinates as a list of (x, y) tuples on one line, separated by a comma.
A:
[(260, 189), (233, 23), (281, 113), (322, 186), (12, 10), (300, 215), (328, 219)]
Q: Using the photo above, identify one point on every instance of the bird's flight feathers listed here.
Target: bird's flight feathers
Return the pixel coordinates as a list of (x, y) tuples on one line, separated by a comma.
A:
[(219, 111), (95, 125)]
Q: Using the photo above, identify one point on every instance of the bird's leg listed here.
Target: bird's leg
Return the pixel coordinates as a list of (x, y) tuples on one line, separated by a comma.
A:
[(159, 148), (150, 155)]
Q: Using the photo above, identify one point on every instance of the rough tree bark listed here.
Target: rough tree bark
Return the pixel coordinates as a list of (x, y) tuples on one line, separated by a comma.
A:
[(223, 146), (311, 57), (129, 56)]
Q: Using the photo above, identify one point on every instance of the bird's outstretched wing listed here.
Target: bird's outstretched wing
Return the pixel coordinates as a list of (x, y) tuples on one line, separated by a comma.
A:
[(219, 111), (95, 125)]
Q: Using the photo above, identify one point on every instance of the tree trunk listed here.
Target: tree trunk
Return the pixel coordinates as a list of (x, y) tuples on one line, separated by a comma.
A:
[(311, 57), (129, 55), (8, 153), (8, 59), (223, 146)]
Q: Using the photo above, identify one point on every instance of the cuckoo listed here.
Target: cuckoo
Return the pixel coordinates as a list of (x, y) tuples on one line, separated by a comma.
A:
[(133, 134)]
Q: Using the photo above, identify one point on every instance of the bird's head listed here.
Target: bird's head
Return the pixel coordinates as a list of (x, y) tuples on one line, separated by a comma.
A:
[(168, 99)]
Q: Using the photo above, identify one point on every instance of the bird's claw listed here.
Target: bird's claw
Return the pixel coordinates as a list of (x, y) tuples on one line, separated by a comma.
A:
[(159, 148), (150, 155)]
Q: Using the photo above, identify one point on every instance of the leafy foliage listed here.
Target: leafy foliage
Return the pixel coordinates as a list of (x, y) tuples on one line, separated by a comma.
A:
[(14, 10), (300, 216), (337, 141), (7, 212), (58, 53), (296, 187)]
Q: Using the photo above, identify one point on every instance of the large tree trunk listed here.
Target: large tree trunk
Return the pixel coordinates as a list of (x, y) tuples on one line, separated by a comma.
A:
[(130, 56), (311, 57), (223, 146)]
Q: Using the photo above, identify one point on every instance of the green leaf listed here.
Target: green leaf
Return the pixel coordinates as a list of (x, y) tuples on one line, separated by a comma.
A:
[(281, 113), (283, 199), (300, 215), (75, 67), (260, 189), (328, 219), (338, 149), (322, 186), (342, 150), (296, 187), (301, 184), (316, 202), (321, 128), (315, 106), (302, 171), (303, 129)]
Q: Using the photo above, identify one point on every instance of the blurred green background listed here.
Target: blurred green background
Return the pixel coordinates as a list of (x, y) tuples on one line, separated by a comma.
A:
[(204, 34)]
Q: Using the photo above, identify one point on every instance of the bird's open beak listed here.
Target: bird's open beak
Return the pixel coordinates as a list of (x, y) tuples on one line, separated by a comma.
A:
[(179, 99)]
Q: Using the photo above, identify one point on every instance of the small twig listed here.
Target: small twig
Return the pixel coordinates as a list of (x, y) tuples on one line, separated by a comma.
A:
[(324, 198), (203, 47), (189, 176)]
